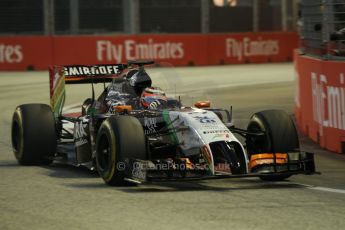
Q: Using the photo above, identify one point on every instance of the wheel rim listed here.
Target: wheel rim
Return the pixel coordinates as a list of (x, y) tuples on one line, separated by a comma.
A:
[(104, 153)]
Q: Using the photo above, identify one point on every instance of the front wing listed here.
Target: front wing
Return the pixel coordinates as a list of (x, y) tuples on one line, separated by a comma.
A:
[(141, 171)]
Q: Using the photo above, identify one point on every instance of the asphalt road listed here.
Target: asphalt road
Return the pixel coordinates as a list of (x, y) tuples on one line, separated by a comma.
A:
[(64, 197)]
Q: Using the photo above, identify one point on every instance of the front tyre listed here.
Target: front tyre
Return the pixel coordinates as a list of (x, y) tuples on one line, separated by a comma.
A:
[(119, 138), (34, 134), (280, 136)]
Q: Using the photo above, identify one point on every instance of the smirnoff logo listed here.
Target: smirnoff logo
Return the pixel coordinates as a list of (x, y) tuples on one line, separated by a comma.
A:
[(91, 70)]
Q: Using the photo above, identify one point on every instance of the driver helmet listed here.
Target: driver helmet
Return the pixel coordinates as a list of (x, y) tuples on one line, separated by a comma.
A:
[(139, 80), (153, 98)]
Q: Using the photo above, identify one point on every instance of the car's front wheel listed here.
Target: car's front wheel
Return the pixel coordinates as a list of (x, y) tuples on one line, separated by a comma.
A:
[(119, 138), (280, 136)]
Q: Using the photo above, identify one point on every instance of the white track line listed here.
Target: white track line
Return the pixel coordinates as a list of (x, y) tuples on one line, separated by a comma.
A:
[(71, 108), (324, 189)]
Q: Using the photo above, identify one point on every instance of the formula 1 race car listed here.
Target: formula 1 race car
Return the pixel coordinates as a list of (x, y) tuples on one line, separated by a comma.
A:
[(134, 133)]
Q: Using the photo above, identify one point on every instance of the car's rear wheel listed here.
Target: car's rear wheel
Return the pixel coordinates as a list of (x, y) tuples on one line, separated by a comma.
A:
[(280, 136), (33, 134), (119, 138)]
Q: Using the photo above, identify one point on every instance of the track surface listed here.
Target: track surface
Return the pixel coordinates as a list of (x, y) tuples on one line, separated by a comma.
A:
[(60, 196)]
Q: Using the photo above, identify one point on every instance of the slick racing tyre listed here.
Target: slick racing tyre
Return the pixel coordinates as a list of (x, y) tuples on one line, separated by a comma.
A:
[(119, 138), (280, 136), (34, 134)]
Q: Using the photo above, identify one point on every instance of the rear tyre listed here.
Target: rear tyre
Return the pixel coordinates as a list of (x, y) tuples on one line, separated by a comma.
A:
[(119, 138), (34, 138), (280, 136)]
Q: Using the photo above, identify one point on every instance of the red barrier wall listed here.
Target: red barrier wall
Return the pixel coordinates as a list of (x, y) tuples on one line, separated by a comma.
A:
[(23, 52), (38, 52), (320, 101)]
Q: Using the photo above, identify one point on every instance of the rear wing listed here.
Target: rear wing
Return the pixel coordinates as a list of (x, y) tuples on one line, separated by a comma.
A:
[(61, 75)]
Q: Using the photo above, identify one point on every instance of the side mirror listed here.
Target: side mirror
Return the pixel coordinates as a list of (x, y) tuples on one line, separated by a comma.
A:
[(202, 104)]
